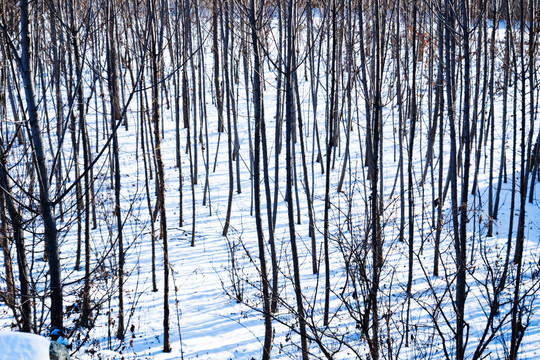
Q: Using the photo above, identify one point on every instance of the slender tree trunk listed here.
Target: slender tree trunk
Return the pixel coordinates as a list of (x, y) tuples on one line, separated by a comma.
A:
[(373, 162), (491, 121), (509, 44), (410, 190), (229, 102), (440, 105), (331, 138), (5, 243), (289, 119), (216, 11), (116, 117), (49, 221), (518, 322), (16, 226), (160, 173), (257, 113), (266, 172), (279, 116), (84, 200), (461, 245)]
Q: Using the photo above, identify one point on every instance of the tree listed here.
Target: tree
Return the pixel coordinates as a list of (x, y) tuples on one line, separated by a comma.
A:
[(257, 102), (46, 208), (160, 168), (290, 67)]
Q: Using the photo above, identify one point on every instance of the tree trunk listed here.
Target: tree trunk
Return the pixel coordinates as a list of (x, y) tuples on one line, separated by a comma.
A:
[(16, 226), (290, 120), (49, 221), (257, 102)]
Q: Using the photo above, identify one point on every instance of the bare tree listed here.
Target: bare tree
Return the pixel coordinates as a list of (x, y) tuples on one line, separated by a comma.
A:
[(46, 209)]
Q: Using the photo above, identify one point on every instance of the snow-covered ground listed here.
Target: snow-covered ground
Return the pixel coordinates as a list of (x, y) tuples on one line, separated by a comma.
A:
[(17, 346)]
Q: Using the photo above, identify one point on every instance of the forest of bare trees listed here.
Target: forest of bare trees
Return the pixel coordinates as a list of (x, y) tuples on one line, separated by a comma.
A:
[(369, 166)]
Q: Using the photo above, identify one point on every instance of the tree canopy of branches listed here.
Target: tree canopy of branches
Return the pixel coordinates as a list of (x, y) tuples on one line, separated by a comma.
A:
[(384, 155)]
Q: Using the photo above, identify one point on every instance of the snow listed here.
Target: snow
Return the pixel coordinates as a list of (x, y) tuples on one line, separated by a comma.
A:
[(23, 346)]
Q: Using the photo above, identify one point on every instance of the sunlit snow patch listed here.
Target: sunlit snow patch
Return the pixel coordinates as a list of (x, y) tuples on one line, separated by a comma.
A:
[(17, 346)]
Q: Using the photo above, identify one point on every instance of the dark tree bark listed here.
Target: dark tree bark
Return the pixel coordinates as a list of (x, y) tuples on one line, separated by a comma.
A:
[(331, 143), (225, 33), (519, 322), (216, 11), (290, 121), (372, 151), (509, 45), (116, 117), (160, 170), (257, 113), (461, 243), (46, 209), (440, 105), (17, 229), (5, 243)]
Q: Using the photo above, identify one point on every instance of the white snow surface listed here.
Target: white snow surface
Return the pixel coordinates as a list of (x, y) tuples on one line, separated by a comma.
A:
[(23, 346)]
